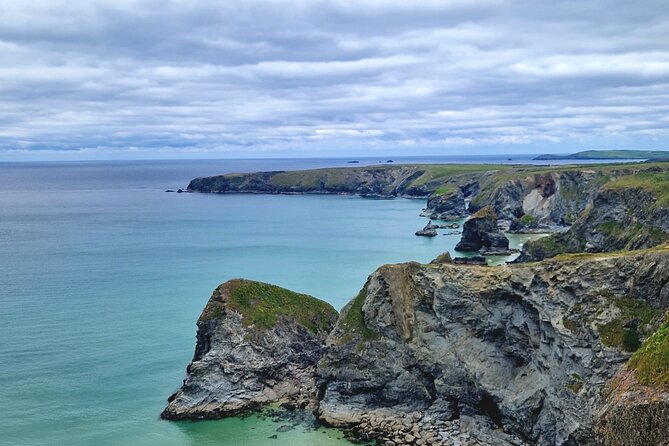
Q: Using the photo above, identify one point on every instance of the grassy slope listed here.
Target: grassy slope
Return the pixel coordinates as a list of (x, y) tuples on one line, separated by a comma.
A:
[(657, 183), (332, 177), (263, 305), (651, 361)]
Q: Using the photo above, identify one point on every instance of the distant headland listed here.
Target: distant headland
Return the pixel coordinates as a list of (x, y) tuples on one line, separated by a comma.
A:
[(609, 155)]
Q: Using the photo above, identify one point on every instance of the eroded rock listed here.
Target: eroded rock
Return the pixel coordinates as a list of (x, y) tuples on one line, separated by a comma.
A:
[(256, 344)]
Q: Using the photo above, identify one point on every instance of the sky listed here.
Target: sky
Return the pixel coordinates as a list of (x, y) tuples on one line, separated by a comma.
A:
[(120, 79)]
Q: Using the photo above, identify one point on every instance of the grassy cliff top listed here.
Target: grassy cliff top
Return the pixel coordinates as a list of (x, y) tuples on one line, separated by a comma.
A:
[(338, 175), (486, 212), (655, 182), (651, 361), (263, 305)]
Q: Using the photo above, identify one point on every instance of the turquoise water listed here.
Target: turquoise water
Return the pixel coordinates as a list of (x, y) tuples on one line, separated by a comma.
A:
[(103, 276)]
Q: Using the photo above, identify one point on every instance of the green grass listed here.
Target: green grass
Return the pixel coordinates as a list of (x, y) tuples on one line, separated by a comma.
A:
[(651, 361), (447, 189), (486, 212), (657, 183), (353, 322), (527, 219), (612, 228), (263, 305), (589, 255), (614, 333), (435, 172)]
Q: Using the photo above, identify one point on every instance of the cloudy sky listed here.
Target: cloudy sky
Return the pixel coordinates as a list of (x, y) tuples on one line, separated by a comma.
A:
[(166, 78)]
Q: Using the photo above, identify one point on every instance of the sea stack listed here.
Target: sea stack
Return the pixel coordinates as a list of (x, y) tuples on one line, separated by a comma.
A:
[(256, 344), (481, 233)]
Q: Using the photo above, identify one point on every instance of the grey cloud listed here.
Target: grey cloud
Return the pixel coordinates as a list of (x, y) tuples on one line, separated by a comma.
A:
[(321, 76)]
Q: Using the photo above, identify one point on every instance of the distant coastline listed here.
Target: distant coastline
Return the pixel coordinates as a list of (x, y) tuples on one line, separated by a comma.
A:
[(609, 155)]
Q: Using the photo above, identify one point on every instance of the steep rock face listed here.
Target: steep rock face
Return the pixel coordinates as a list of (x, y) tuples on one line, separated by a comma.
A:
[(383, 182), (551, 198), (633, 414), (618, 219), (256, 344), (446, 207), (519, 345), (480, 233)]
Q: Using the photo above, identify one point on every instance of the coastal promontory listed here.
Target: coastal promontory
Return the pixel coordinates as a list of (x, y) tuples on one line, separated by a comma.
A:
[(431, 354), (256, 344)]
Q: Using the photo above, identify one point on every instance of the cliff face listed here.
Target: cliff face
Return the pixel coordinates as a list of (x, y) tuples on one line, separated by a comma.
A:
[(373, 181), (525, 347), (446, 206), (551, 198), (619, 218), (256, 344)]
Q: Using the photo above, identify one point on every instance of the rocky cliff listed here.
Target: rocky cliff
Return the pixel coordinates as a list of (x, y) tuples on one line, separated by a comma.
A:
[(256, 344), (529, 198), (628, 213), (382, 181), (523, 348), (514, 354)]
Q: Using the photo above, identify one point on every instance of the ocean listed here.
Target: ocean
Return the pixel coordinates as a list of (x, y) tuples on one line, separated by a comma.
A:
[(103, 275)]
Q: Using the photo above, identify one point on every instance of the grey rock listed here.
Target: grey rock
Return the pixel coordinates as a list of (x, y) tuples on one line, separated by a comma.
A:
[(480, 233), (485, 344), (239, 367)]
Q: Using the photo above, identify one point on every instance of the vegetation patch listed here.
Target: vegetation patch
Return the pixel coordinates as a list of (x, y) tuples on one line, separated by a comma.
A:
[(575, 383), (486, 212), (263, 305), (626, 329), (612, 228), (655, 182), (527, 219), (651, 361), (447, 189), (353, 322)]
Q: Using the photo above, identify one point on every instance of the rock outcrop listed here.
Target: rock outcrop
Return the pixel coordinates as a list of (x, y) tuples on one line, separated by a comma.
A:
[(619, 218), (256, 344), (553, 198), (481, 233), (429, 230), (442, 353), (446, 206), (525, 348)]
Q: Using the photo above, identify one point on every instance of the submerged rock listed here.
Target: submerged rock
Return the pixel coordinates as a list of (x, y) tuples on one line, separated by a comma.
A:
[(480, 233), (256, 344)]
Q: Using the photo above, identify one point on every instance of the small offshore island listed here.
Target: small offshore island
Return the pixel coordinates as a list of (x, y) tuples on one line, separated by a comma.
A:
[(567, 345)]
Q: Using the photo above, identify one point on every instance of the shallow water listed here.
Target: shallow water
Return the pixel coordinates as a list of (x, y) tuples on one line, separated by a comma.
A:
[(103, 276)]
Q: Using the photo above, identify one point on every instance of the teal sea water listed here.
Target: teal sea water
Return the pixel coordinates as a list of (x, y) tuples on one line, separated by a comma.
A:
[(103, 275)]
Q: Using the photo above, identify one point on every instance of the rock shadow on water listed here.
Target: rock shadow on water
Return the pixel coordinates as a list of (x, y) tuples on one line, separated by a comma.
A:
[(272, 426)]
